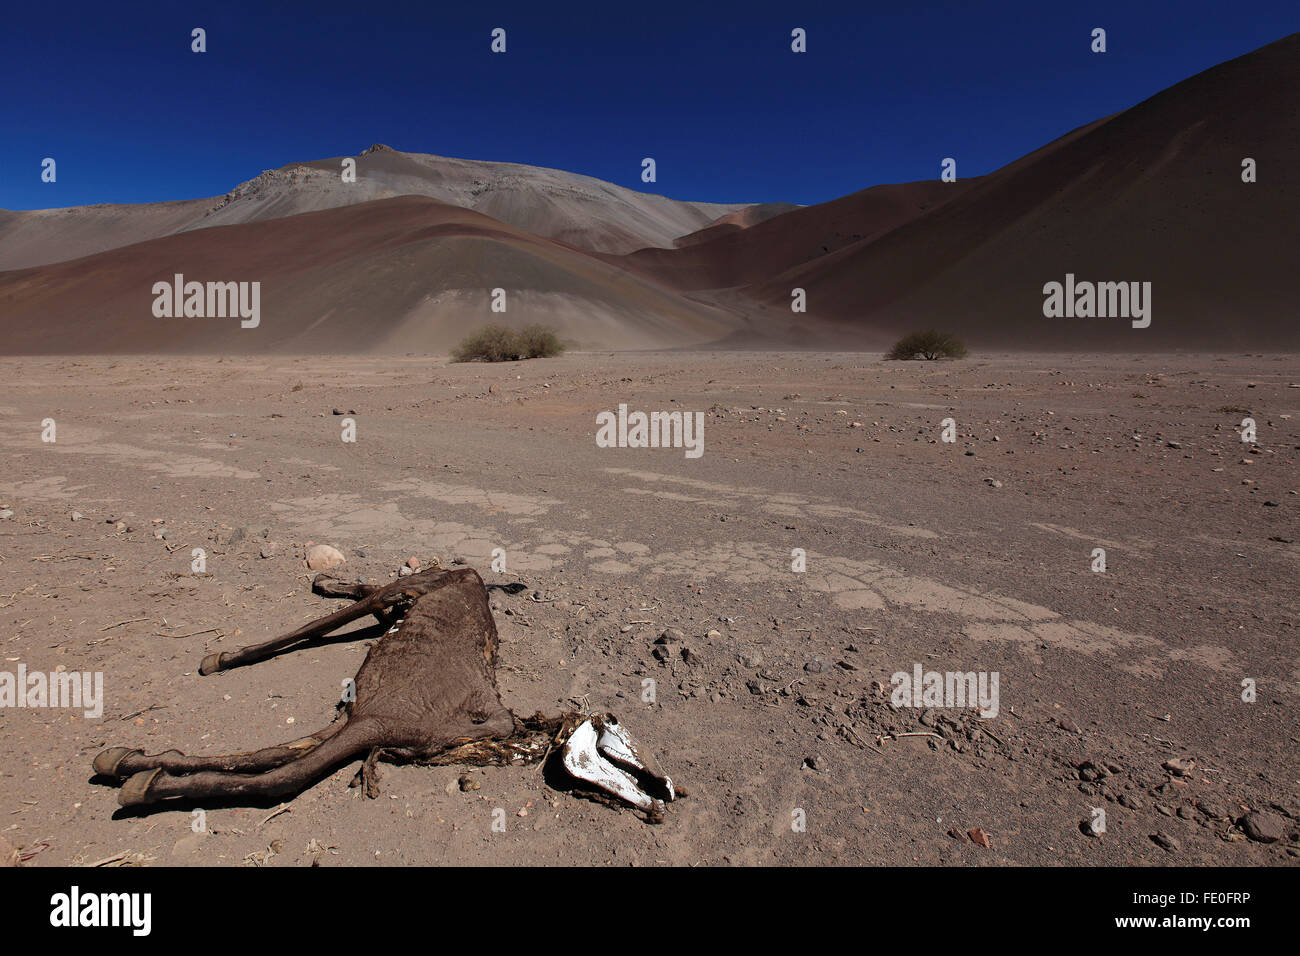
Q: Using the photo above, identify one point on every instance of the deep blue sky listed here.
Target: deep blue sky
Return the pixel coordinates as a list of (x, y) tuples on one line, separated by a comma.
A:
[(711, 90)]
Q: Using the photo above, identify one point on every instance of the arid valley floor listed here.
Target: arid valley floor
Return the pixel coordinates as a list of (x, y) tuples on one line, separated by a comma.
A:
[(972, 555)]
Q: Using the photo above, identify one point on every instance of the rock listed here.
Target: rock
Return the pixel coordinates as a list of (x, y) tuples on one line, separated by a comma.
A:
[(816, 666), (661, 653), (1068, 725), (1180, 766), (322, 557), (413, 563), (713, 635), (5, 514), (992, 482), (980, 838), (404, 572), (1263, 827), (8, 855), (1093, 826), (670, 635), (815, 762), (752, 659), (1162, 839), (1213, 810), (1185, 812), (468, 783), (1131, 801), (269, 549), (77, 516), (691, 658)]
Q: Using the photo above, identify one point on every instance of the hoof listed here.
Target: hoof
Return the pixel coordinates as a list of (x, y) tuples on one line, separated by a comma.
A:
[(106, 763), (136, 790), (211, 664)]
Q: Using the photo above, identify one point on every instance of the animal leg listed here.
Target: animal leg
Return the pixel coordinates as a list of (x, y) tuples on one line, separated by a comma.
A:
[(151, 786), (377, 601), (123, 762)]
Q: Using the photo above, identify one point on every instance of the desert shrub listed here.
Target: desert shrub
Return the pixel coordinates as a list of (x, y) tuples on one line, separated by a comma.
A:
[(496, 343), (492, 343), (928, 345), (539, 341)]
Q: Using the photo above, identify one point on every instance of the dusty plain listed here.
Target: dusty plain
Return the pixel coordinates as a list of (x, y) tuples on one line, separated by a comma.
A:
[(914, 556)]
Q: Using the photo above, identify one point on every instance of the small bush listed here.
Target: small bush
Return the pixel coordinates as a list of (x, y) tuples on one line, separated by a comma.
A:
[(929, 345), (539, 341), (496, 343)]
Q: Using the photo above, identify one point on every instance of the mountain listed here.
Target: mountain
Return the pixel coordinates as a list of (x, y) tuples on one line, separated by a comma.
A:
[(1152, 194), (406, 258), (392, 275), (587, 213)]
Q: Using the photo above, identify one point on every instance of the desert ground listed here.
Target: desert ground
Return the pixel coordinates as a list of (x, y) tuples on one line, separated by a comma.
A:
[(1119, 690)]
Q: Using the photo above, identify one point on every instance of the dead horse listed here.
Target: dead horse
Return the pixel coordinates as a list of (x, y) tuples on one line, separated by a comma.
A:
[(426, 693)]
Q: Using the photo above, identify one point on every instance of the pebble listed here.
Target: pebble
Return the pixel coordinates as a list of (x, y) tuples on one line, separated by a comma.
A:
[(1164, 840), (322, 557), (1180, 766), (1264, 827)]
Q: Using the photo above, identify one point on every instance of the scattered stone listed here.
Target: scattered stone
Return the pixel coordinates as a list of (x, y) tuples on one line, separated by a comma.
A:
[(269, 549), (992, 482), (77, 516), (413, 563), (713, 635), (816, 666), (980, 838), (691, 658), (1162, 839), (5, 514), (1068, 725), (1215, 811), (322, 557), (467, 783), (1180, 766), (670, 635), (404, 572), (1131, 801), (815, 762), (1263, 827), (661, 653), (1093, 826)]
